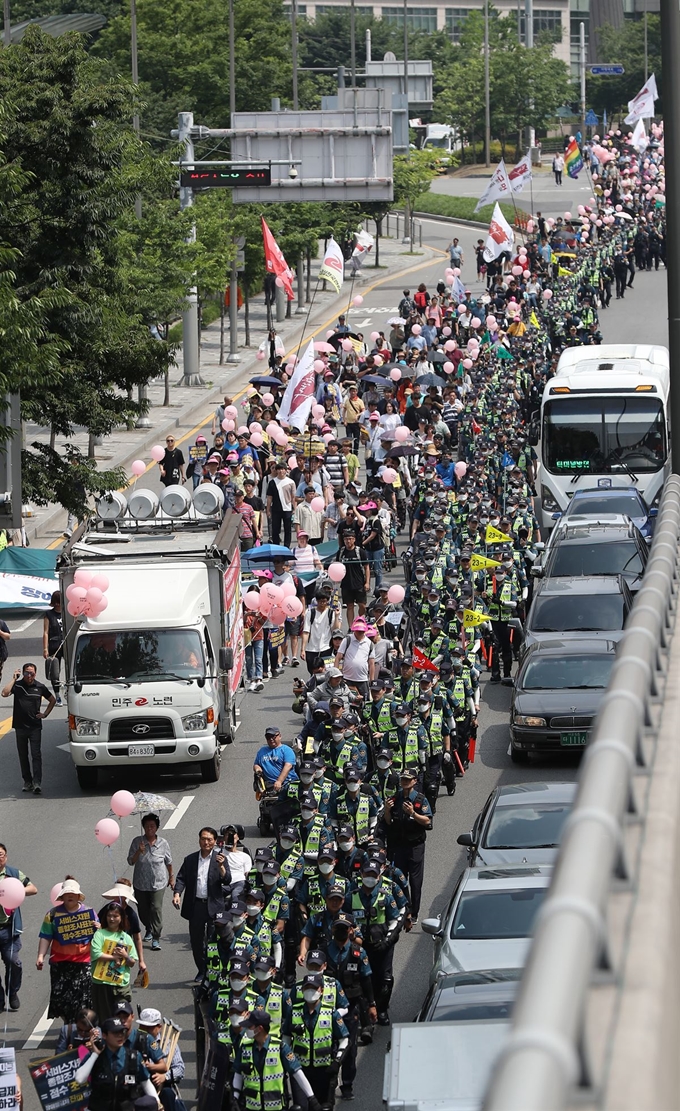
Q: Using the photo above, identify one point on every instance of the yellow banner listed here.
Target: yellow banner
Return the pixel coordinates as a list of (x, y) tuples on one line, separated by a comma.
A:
[(480, 562), (471, 618), (495, 536)]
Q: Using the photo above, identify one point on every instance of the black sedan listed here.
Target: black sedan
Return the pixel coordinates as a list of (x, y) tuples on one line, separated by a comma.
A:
[(556, 695), (520, 823)]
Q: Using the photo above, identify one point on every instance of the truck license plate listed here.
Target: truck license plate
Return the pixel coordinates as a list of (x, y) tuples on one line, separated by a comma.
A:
[(573, 738), (141, 750)]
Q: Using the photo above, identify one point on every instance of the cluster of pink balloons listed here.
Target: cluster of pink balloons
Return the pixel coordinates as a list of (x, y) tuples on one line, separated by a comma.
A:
[(87, 593), (107, 830), (277, 603)]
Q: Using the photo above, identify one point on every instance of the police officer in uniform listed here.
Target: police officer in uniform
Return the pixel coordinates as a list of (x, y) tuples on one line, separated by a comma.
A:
[(349, 963), (502, 602), (116, 1074), (408, 818), (318, 1037), (378, 920), (261, 1066)]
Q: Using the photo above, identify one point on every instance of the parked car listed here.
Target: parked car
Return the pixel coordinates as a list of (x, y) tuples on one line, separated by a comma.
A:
[(616, 499), (566, 608), (482, 996), (520, 823), (489, 920), (606, 545), (557, 693)]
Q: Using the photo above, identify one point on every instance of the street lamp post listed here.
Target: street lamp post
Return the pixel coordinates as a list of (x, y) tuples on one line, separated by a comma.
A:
[(233, 356), (670, 36), (487, 89)]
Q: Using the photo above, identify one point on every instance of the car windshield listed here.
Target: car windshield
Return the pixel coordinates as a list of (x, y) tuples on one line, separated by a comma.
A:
[(561, 673), (583, 558), (624, 504), (577, 613), (601, 435), (470, 1012), (526, 827), (484, 915), (139, 656)]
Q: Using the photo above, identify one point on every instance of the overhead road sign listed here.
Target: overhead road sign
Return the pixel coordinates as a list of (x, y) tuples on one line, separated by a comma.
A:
[(606, 71), (230, 178)]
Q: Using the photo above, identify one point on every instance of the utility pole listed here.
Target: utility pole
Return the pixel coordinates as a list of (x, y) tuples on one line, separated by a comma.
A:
[(191, 375), (582, 69), (233, 356), (670, 37), (528, 23), (294, 52), (7, 30), (353, 42), (135, 82), (487, 88), (368, 45), (646, 50), (407, 207)]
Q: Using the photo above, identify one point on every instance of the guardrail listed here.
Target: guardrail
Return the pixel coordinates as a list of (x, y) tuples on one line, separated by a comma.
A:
[(543, 1064)]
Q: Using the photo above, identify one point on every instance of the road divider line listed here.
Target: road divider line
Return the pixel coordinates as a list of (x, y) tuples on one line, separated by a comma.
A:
[(25, 625), (5, 726), (42, 1028), (179, 812)]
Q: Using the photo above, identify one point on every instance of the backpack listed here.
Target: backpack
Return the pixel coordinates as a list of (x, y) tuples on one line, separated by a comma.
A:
[(421, 299)]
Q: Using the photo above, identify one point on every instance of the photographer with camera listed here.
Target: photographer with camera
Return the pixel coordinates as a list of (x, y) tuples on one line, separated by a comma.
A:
[(237, 856)]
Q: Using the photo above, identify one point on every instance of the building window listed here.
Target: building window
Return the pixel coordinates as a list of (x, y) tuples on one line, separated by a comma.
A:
[(545, 19), (419, 19), (455, 21), (301, 11)]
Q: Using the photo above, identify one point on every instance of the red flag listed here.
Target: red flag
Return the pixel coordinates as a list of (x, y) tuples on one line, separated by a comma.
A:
[(275, 262), (421, 661), (476, 428)]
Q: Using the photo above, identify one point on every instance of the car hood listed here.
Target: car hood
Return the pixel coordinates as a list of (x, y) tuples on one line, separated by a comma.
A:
[(497, 858), (465, 956), (532, 637), (553, 703)]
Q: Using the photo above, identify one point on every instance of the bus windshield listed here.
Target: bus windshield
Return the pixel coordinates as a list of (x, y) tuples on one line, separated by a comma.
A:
[(598, 435)]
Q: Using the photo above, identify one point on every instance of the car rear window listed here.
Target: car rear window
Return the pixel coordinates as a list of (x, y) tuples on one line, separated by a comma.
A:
[(484, 915), (625, 504), (614, 558), (471, 1012), (526, 827), (561, 673), (577, 613)]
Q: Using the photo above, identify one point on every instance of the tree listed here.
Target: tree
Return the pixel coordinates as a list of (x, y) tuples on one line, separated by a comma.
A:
[(626, 45)]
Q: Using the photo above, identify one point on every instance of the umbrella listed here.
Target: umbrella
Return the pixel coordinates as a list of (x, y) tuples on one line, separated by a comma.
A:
[(323, 346), (396, 320), (146, 801), (430, 380), (402, 451), (265, 380), (375, 379), (440, 357), (266, 553)]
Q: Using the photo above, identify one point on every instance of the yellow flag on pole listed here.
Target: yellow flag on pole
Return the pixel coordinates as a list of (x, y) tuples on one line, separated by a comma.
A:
[(472, 618), (495, 536), (480, 562)]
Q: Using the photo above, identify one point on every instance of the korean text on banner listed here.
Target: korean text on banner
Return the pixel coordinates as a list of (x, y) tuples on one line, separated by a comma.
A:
[(499, 186)]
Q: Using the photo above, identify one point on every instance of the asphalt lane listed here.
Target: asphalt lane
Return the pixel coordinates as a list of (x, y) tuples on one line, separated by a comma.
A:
[(541, 195), (51, 836)]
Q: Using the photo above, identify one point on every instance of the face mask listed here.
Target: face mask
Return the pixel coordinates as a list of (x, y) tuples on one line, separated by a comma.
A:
[(236, 922), (249, 1035), (369, 881), (237, 984), (423, 707), (311, 995), (430, 501), (483, 520), (259, 865), (353, 788), (401, 720), (269, 882), (263, 977), (383, 764), (306, 777), (307, 815), (420, 576), (326, 868), (287, 843), (253, 910), (237, 1020), (337, 734), (319, 774), (348, 733), (346, 846)]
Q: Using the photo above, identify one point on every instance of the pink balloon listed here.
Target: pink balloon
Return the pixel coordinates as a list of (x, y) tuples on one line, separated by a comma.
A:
[(256, 426), (461, 309), (123, 803), (252, 600), (318, 504), (527, 274), (446, 331), (547, 294), (273, 427), (288, 589), (157, 452), (449, 367), (256, 439), (231, 411), (75, 608), (327, 437), (467, 363), (378, 360), (347, 345), (375, 336), (138, 467), (396, 594), (491, 321), (416, 330), (228, 424), (395, 374), (56, 892), (319, 366), (456, 271), (460, 469), (260, 356), (78, 593), (318, 411), (102, 605), (100, 581), (12, 893), (476, 322), (389, 475), (358, 300), (450, 345), (517, 270), (272, 592), (280, 438), (243, 430), (107, 831), (330, 332), (292, 607), (265, 605), (567, 216), (530, 226), (94, 595), (401, 434), (337, 571), (292, 462), (276, 615)]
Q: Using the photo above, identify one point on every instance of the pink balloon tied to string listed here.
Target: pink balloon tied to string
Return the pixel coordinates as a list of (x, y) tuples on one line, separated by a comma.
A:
[(252, 600), (401, 434), (358, 300), (389, 475), (268, 399), (123, 803), (337, 572), (138, 467), (396, 594), (157, 453), (107, 831), (12, 893), (318, 505), (395, 374)]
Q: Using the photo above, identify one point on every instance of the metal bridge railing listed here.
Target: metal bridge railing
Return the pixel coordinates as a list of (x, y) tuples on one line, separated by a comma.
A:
[(543, 1064)]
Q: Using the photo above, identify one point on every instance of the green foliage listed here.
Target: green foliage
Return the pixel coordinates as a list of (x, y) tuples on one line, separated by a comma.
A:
[(626, 45), (462, 208), (412, 175)]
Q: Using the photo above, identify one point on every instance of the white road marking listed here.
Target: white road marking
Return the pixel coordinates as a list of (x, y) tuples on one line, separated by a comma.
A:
[(179, 812), (238, 726), (363, 323), (41, 1029), (65, 748), (509, 752), (24, 626)]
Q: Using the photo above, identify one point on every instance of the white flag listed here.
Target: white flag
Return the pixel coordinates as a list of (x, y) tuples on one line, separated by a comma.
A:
[(639, 139), (333, 266), (299, 396), (501, 236), (364, 244), (642, 106), (520, 174), (458, 289), (499, 186)]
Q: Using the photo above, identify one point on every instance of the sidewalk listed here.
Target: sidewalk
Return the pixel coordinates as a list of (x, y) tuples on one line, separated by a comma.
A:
[(192, 407)]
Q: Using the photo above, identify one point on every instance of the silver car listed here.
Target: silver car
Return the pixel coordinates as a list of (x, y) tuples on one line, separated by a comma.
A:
[(520, 823), (489, 920)]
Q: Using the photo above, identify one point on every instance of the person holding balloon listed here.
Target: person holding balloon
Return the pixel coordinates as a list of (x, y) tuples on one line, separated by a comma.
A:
[(27, 719), (14, 887)]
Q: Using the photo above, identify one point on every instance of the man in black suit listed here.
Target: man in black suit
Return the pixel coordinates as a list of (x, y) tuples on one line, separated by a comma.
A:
[(202, 877)]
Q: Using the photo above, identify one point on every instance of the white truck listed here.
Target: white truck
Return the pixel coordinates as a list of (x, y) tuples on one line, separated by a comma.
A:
[(441, 1066), (152, 680)]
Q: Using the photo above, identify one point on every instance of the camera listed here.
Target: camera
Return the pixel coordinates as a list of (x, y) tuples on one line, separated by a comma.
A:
[(293, 172)]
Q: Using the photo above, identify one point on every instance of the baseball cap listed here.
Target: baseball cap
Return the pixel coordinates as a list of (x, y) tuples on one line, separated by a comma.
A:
[(239, 965), (312, 980), (264, 964), (239, 1004), (378, 685), (345, 832), (326, 853), (359, 626), (352, 771), (370, 866), (336, 702), (113, 1026), (271, 868), (237, 908), (308, 800), (258, 1017), (263, 853), (374, 416), (301, 532), (344, 919), (335, 890), (407, 662), (122, 1007), (315, 957), (402, 708), (272, 731), (289, 831)]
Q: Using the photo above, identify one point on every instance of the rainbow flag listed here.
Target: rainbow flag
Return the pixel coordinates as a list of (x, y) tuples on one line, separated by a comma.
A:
[(573, 162)]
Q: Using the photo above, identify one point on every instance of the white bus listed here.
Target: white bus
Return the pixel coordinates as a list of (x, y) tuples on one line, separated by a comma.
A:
[(604, 422)]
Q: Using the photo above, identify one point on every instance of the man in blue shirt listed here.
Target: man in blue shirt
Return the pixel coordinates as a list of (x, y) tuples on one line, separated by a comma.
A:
[(275, 761)]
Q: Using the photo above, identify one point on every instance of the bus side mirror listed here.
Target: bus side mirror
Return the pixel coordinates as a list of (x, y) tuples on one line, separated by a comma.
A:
[(226, 659)]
